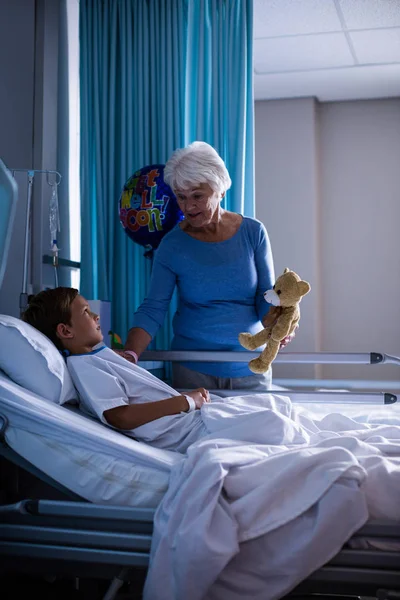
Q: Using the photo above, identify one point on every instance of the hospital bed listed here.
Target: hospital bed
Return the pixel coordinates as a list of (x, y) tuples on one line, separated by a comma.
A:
[(77, 499), (109, 486)]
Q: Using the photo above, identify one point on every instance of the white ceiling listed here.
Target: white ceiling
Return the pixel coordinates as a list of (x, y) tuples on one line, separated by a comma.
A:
[(330, 49)]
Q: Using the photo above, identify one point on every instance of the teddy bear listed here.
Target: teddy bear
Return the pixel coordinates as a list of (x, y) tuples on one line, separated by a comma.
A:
[(285, 296)]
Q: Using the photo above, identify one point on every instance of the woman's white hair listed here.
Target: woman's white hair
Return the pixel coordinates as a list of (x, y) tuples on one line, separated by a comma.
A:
[(195, 164)]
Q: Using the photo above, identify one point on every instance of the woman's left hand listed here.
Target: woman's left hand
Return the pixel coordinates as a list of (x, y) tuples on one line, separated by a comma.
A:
[(125, 355)]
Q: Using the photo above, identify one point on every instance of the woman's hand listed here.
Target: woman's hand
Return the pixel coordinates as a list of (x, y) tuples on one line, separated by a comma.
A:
[(125, 355), (269, 321), (200, 396), (286, 340)]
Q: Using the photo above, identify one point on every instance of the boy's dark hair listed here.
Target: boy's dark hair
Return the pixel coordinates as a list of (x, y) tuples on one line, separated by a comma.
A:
[(49, 308)]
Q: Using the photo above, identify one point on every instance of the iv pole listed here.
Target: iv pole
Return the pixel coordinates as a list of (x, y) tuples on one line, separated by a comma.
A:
[(23, 298)]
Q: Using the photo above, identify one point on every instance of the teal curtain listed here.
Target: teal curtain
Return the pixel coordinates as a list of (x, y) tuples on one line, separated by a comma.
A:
[(219, 102), (156, 75)]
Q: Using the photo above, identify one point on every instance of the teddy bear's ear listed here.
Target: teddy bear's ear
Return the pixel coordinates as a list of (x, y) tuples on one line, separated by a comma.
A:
[(304, 287), (286, 270)]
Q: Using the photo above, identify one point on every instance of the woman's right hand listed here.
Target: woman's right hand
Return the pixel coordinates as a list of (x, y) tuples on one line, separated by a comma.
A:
[(200, 396)]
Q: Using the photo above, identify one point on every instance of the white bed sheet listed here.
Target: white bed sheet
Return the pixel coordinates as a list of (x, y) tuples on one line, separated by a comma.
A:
[(88, 458), (102, 465), (232, 497), (388, 414)]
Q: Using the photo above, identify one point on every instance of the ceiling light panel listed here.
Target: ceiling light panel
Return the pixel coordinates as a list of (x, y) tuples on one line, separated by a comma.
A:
[(330, 85), (375, 47), (294, 17), (301, 53), (370, 14)]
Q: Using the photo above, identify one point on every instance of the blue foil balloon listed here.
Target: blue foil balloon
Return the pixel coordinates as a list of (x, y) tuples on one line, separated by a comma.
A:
[(148, 208)]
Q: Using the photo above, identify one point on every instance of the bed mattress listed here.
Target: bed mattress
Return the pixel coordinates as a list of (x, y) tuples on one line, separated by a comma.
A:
[(103, 466), (95, 462)]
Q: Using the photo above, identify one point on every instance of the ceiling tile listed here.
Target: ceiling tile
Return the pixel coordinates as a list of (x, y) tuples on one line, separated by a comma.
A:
[(301, 53), (299, 64), (378, 46), (370, 14), (354, 83), (294, 17)]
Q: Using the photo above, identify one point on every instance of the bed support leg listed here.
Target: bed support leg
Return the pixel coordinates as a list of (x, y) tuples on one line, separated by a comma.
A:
[(116, 584), (387, 595)]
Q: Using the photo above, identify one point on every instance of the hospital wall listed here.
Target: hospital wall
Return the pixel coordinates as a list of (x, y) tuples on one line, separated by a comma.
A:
[(327, 189), (29, 107), (16, 124)]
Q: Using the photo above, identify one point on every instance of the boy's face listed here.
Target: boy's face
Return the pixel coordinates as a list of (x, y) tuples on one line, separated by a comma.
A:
[(85, 325)]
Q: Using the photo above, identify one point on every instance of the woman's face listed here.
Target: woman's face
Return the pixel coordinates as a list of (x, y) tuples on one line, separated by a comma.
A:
[(199, 204)]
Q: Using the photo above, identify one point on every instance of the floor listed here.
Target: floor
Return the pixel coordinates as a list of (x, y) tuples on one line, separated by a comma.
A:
[(22, 587)]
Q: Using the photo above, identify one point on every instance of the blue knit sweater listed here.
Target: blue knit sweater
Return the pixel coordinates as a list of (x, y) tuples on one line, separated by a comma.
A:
[(220, 292)]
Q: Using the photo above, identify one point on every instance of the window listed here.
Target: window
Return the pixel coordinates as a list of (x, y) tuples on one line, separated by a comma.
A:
[(74, 139)]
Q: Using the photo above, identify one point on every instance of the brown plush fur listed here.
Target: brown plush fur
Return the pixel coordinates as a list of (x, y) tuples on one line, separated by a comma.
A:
[(286, 293)]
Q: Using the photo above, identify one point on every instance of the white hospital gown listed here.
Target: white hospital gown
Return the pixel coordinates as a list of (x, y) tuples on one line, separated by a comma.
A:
[(105, 380)]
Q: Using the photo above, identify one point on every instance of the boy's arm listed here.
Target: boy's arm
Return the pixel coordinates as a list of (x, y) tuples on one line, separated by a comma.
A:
[(104, 394), (130, 416)]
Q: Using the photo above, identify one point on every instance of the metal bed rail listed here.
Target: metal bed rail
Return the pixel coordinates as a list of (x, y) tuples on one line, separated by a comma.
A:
[(308, 392), (120, 538), (320, 358), (312, 396)]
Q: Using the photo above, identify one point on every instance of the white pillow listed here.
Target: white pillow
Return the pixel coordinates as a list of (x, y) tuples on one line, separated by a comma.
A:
[(30, 359)]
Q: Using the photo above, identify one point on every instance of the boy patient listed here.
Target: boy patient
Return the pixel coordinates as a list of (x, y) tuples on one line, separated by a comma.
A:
[(125, 396)]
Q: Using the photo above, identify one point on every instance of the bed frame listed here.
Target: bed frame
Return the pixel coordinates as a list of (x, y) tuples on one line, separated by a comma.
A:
[(296, 387), (75, 538), (110, 542)]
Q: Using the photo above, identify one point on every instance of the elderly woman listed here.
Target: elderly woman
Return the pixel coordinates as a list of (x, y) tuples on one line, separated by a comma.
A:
[(221, 264)]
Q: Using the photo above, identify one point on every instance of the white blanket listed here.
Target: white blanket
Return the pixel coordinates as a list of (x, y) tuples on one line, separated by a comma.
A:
[(244, 520)]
